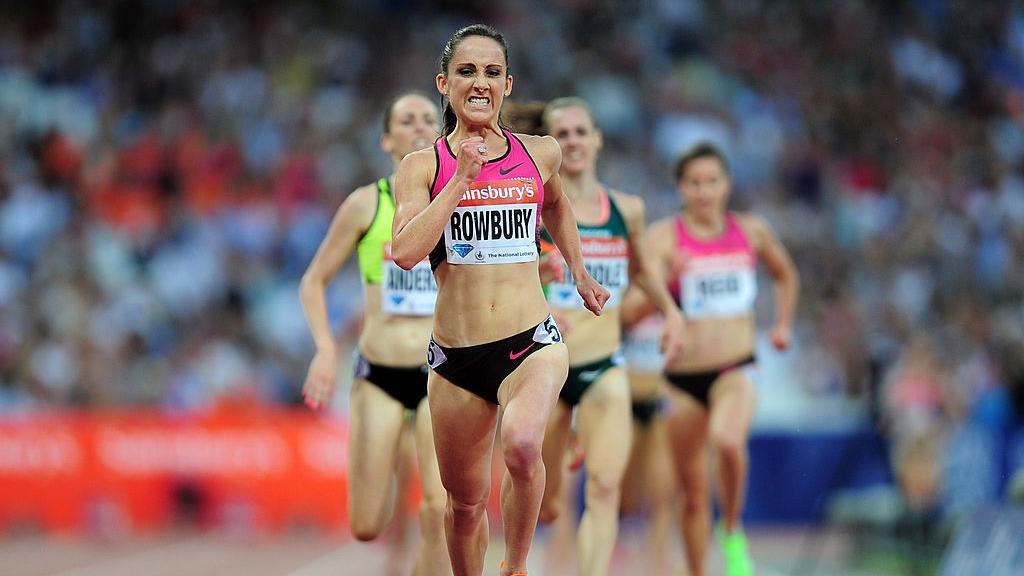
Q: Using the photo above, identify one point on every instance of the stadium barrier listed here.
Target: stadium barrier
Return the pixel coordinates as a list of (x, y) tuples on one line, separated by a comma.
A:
[(144, 471)]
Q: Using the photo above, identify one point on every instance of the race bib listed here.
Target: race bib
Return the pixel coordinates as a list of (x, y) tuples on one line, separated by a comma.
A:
[(494, 223), (607, 261), (718, 292), (408, 292)]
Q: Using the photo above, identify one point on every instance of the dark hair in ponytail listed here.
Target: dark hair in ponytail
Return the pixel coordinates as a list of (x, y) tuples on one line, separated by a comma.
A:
[(448, 115)]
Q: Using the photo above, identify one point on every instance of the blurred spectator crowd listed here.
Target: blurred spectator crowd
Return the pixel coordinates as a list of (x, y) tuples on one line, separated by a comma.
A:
[(168, 168)]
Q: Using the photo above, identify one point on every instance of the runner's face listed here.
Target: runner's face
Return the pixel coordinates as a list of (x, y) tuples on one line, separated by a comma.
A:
[(704, 188), (476, 81), (413, 126), (579, 138)]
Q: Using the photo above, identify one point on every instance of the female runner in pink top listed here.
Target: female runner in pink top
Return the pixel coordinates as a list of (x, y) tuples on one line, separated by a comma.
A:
[(474, 203), (711, 255)]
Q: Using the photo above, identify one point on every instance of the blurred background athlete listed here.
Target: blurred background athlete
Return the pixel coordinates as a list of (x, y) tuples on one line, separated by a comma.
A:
[(711, 255), (649, 485), (611, 226), (390, 376)]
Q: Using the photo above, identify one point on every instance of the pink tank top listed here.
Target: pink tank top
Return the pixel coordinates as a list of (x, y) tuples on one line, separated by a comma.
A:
[(718, 278), (498, 217)]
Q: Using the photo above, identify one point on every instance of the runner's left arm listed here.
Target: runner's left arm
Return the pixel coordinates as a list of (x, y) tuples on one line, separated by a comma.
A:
[(783, 272), (646, 276), (560, 221)]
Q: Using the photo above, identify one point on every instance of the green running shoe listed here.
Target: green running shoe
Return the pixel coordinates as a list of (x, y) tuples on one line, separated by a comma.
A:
[(734, 550)]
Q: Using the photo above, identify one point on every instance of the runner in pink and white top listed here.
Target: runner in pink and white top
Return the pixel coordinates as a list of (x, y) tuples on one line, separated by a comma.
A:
[(710, 255), (718, 277), (498, 217), (472, 203)]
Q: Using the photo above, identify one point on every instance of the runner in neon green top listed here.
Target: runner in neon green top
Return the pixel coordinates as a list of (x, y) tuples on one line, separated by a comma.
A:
[(377, 236), (390, 375), (402, 292)]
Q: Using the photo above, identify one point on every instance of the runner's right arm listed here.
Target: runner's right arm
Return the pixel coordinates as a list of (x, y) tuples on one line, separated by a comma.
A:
[(419, 222), (350, 222)]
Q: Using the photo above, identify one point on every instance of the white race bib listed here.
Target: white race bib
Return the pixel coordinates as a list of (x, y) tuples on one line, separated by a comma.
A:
[(718, 292), (607, 261), (494, 223), (407, 292)]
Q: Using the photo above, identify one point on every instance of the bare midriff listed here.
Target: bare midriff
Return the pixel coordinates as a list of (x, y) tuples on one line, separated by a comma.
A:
[(713, 343), (390, 340), (480, 304), (591, 338)]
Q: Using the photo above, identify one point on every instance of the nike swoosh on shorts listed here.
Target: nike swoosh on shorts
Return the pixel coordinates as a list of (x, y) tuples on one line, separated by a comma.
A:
[(514, 355)]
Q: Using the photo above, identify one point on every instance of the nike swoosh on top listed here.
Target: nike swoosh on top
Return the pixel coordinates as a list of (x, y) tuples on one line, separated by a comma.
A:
[(504, 172), (514, 355)]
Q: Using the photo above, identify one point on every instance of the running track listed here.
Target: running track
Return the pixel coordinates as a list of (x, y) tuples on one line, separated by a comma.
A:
[(188, 554)]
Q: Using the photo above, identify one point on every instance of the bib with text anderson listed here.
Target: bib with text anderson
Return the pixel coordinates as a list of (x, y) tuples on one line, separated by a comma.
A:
[(494, 223), (407, 292)]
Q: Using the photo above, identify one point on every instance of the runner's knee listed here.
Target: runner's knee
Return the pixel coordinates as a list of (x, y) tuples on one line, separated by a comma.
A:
[(696, 503), (432, 510), (696, 494), (729, 443), (550, 510), (522, 453), (365, 529), (466, 514), (603, 487), (366, 512)]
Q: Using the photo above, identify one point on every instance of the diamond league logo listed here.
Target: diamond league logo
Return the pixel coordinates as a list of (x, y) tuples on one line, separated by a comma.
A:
[(463, 249)]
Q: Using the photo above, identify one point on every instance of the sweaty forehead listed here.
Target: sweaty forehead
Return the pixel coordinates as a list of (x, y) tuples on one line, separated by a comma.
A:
[(479, 50)]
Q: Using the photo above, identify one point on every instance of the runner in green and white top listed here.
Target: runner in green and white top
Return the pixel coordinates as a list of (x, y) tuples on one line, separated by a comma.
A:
[(611, 226), (390, 376)]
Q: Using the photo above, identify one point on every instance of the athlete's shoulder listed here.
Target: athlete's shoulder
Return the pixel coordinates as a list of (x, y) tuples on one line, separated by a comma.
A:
[(541, 147), (420, 159), (535, 139), (359, 207), (750, 220), (630, 205), (662, 230), (754, 226), (418, 168), (363, 197)]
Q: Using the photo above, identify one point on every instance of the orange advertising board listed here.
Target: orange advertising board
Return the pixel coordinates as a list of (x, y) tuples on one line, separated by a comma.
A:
[(266, 469)]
